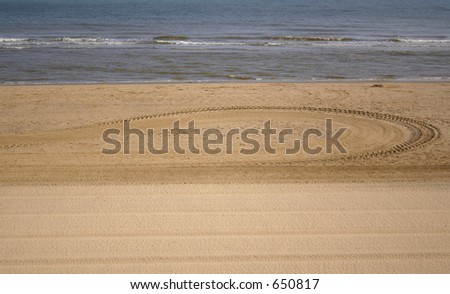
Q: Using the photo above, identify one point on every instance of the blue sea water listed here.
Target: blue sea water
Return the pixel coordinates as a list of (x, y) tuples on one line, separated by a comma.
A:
[(57, 41)]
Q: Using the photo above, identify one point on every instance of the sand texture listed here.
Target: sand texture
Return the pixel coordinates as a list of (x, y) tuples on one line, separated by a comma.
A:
[(382, 207)]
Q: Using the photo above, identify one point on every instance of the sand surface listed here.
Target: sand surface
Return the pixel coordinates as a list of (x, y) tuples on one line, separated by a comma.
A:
[(383, 207)]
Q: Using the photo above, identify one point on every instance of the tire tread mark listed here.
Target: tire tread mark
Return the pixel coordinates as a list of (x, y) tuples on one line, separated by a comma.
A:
[(422, 132)]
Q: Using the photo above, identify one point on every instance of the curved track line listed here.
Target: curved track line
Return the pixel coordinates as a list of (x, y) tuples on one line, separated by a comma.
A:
[(422, 132)]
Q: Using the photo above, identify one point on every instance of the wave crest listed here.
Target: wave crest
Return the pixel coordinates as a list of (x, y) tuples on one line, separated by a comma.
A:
[(312, 39)]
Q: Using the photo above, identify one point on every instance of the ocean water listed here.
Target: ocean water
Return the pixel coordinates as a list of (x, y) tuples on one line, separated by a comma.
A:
[(57, 41)]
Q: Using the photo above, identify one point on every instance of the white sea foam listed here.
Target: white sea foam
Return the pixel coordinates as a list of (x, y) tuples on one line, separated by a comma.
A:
[(199, 43), (64, 42), (96, 42), (424, 41), (12, 40)]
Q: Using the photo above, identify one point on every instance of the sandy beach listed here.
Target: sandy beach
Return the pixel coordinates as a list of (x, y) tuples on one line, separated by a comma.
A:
[(382, 207)]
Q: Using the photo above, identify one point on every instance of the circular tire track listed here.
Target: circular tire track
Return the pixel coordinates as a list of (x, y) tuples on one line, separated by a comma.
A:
[(422, 133)]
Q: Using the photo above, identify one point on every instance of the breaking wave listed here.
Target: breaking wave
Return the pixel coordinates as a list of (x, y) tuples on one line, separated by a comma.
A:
[(174, 40), (311, 39)]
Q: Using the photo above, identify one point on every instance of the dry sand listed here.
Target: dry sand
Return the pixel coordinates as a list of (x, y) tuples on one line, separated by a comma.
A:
[(382, 208)]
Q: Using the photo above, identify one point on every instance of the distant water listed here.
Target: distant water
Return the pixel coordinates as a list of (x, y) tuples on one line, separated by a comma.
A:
[(57, 41)]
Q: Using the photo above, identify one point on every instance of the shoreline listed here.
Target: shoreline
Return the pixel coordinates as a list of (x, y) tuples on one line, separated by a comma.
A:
[(236, 81)]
